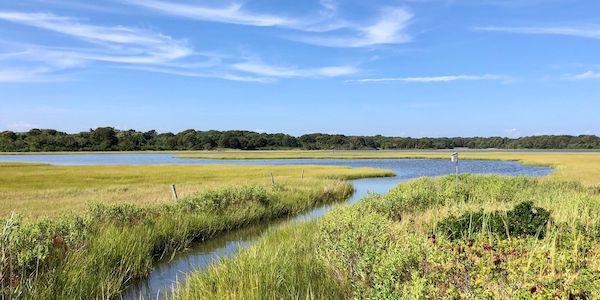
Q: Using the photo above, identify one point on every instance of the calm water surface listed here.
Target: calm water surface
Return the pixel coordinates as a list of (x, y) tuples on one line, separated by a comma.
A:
[(168, 272)]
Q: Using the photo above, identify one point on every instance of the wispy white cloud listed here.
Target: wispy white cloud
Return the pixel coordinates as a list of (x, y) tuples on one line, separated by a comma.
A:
[(583, 32), (120, 44), (583, 76), (499, 3), (430, 79), (233, 13), (236, 13), (389, 28), (204, 74), (19, 75), (323, 29), (263, 69), (330, 6), (130, 48)]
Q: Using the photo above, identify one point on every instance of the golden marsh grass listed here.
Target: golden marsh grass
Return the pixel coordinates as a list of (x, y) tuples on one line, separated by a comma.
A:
[(39, 189)]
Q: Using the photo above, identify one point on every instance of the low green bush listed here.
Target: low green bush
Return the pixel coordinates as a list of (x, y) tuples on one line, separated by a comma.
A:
[(523, 220), (354, 242)]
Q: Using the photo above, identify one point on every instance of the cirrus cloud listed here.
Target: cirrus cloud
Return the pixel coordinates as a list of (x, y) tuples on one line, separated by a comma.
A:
[(262, 69), (130, 48), (583, 76), (325, 29), (582, 32), (430, 79)]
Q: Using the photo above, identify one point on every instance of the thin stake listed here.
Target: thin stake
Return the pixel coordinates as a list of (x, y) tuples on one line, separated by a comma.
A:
[(174, 191), (302, 176), (272, 179)]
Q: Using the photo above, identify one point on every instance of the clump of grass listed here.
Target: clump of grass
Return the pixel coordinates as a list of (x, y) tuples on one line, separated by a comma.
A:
[(96, 254)]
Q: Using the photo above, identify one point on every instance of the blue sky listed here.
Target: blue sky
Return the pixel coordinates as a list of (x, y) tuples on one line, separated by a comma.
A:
[(398, 68)]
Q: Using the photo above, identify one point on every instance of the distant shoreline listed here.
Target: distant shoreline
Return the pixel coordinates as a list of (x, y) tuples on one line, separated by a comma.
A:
[(232, 151)]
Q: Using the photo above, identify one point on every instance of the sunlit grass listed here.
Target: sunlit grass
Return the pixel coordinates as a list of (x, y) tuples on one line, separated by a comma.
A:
[(282, 265), (38, 189)]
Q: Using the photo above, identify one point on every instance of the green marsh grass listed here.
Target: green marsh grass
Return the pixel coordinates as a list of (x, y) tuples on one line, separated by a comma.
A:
[(281, 265), (393, 247), (96, 253)]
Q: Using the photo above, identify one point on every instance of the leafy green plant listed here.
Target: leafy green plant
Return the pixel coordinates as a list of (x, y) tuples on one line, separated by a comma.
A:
[(523, 220)]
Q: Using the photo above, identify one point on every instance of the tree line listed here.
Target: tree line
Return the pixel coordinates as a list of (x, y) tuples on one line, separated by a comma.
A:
[(111, 139)]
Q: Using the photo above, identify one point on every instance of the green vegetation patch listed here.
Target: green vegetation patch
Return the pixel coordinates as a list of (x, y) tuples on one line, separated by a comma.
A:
[(97, 253), (422, 240), (523, 220), (111, 139), (498, 238), (281, 265)]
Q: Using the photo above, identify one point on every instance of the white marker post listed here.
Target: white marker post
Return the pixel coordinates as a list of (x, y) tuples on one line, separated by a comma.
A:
[(454, 159)]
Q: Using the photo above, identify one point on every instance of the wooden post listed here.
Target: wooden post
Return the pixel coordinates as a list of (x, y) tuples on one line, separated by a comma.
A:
[(302, 176), (174, 191), (272, 179)]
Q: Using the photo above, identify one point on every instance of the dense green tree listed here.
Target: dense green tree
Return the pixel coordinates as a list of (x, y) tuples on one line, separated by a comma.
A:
[(103, 138), (108, 138)]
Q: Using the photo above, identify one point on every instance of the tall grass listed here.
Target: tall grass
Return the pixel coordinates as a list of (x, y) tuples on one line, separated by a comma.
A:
[(37, 190), (398, 246), (96, 254), (282, 265)]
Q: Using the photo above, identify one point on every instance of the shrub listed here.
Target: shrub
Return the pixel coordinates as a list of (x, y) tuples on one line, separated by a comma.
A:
[(523, 220), (353, 242), (29, 248)]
